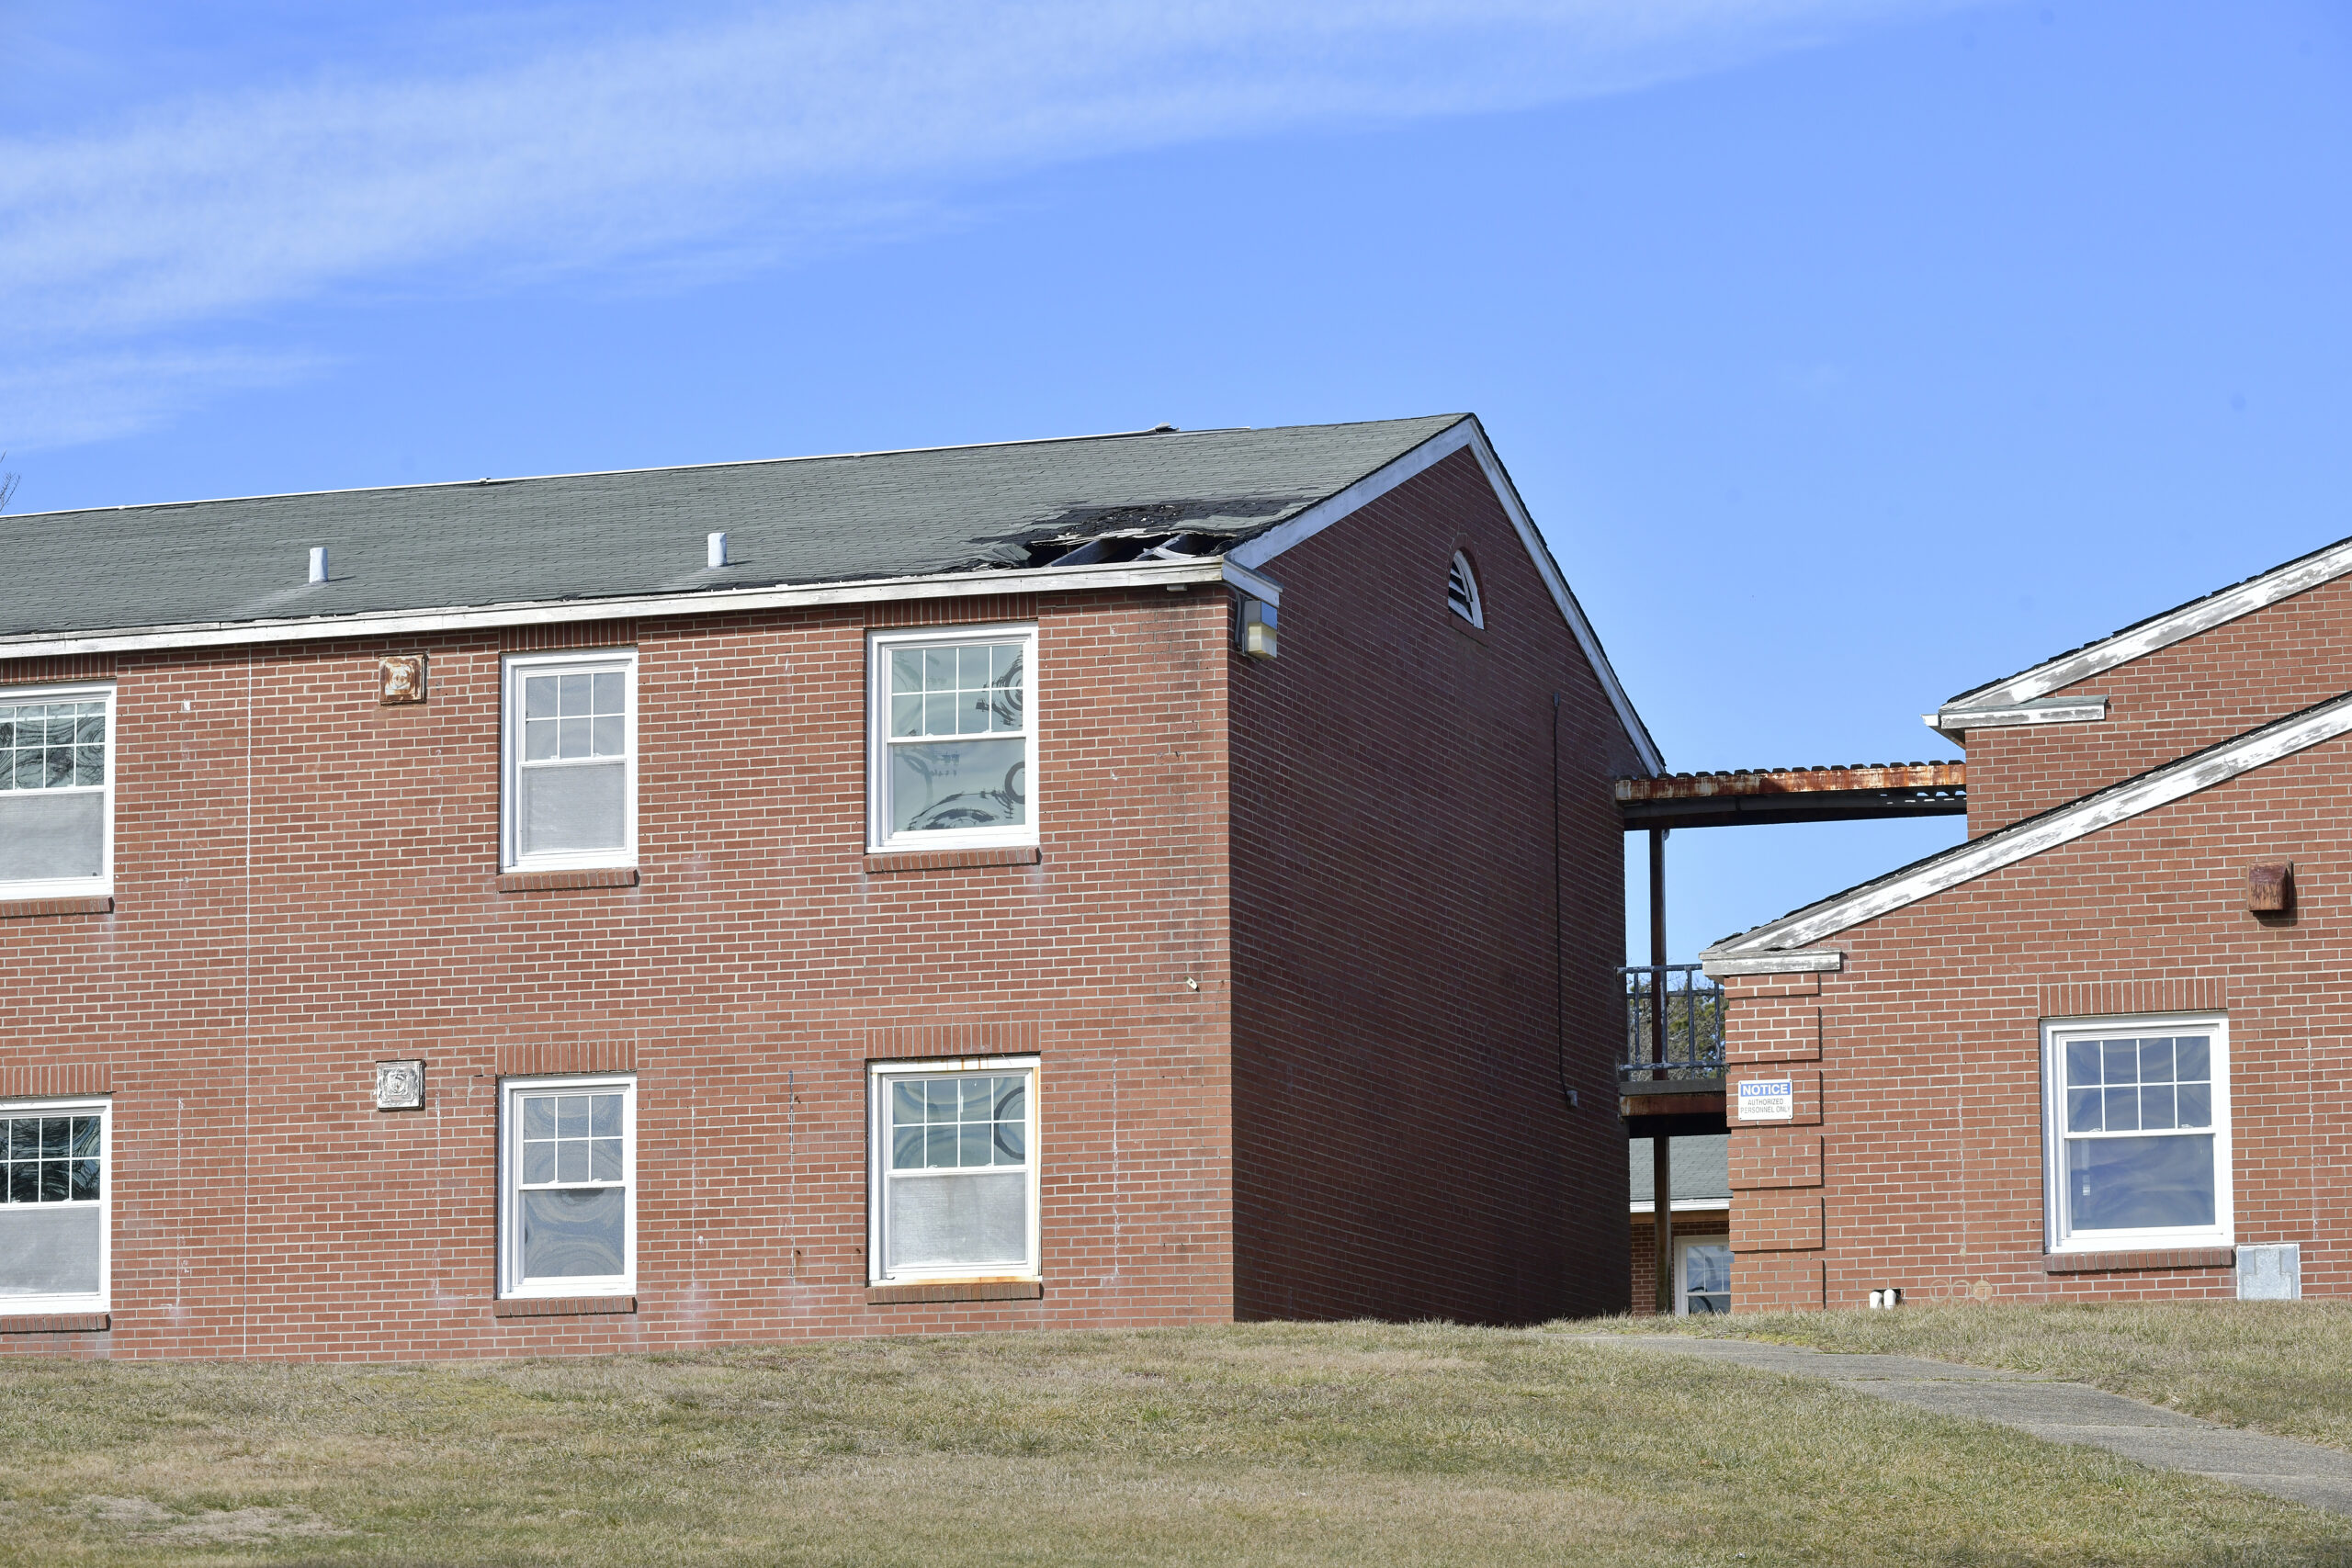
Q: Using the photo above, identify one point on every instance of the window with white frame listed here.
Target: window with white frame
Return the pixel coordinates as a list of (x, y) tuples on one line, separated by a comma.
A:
[(571, 760), (56, 792), (1462, 590), (954, 1170), (2138, 1132), (54, 1235), (953, 747), (1702, 1278), (568, 1187)]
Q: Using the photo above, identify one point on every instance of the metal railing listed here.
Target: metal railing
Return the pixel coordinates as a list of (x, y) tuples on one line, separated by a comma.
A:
[(1694, 1022)]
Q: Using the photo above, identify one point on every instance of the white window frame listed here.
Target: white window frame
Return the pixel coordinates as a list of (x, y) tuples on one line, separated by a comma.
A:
[(1682, 1246), (879, 1078), (512, 1286), (102, 885), (880, 839), (12, 1306), (1477, 616), (2060, 1234), (510, 728)]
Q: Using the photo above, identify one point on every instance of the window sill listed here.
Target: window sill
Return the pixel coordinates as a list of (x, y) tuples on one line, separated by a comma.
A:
[(564, 881), (955, 1291), (57, 1323), (2125, 1262), (22, 908), (952, 859), (562, 1306)]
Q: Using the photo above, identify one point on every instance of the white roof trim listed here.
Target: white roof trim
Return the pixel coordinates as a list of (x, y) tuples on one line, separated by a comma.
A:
[(400, 623), (1980, 857), (1955, 723), (2162, 631), (1683, 1205), (1813, 961), (1466, 432)]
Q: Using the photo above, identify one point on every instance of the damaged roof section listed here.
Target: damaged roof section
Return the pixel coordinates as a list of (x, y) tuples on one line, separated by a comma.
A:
[(1161, 495), (1752, 796)]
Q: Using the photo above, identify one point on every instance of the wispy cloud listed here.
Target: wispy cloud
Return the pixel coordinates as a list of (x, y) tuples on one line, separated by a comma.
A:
[(726, 141)]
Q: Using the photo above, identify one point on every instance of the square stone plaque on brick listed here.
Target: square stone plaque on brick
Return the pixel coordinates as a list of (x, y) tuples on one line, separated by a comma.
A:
[(399, 679), (399, 1086)]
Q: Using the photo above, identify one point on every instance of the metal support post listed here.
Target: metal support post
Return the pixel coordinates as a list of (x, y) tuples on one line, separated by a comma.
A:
[(1661, 1147)]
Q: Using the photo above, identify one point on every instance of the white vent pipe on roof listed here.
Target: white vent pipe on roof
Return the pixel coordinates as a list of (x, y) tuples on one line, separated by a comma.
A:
[(717, 542), (318, 563)]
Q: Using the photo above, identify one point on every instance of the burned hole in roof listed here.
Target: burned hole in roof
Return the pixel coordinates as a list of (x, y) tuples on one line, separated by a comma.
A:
[(1167, 530)]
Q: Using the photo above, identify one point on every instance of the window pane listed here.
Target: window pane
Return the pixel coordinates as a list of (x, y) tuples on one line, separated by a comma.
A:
[(539, 696), (973, 784), (939, 669), (939, 1147), (49, 1252), (1706, 1269), (24, 1139), (571, 737), (85, 1137), (979, 1099), (2138, 1183), (2122, 1110), (606, 1165), (906, 670), (906, 716), (2155, 1106), (2082, 1111), (1010, 1137), (1012, 1100), (605, 1115), (538, 1116), (972, 713), (56, 1180), (939, 714), (957, 1220), (568, 1234), (575, 808), (2155, 1061), (24, 1181), (89, 764), (56, 1136), (611, 693), (608, 736), (972, 668), (2122, 1061), (905, 1101), (85, 1180), (572, 1160), (2195, 1107), (2191, 1059), (539, 1162), (906, 1148), (976, 1143), (1004, 664), (539, 739), (575, 700), (571, 1116), (941, 1098), (44, 836)]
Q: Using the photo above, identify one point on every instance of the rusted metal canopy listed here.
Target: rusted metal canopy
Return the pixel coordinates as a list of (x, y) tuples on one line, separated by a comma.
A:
[(1794, 795)]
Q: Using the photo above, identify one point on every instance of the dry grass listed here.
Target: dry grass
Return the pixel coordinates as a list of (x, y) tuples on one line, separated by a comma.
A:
[(2283, 1366), (1273, 1445)]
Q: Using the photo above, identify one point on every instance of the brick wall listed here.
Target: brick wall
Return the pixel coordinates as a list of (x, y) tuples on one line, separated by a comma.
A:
[(1403, 1148), (2167, 704), (307, 882), (1928, 1051)]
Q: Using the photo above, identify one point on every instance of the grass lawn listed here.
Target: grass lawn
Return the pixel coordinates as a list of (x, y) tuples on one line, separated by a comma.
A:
[(1268, 1444), (2282, 1367)]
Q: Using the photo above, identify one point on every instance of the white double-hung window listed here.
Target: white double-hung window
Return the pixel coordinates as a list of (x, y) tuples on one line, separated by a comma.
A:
[(571, 761), (2138, 1132), (56, 792), (954, 1169), (568, 1187), (953, 751), (54, 1187)]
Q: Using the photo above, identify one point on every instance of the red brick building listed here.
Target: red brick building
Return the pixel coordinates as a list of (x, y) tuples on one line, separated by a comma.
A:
[(2077, 1057), (1128, 880)]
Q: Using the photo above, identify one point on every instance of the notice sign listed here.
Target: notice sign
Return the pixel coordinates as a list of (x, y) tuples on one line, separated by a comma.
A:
[(1768, 1099)]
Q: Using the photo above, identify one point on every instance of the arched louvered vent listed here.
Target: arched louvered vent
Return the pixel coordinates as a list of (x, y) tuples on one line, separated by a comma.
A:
[(1462, 590)]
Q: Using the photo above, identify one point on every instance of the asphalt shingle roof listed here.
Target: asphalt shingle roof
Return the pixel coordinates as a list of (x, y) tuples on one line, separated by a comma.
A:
[(807, 521)]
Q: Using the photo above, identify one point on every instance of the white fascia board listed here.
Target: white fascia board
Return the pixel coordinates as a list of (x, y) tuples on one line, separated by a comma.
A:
[(1813, 961), (1683, 1205), (2162, 631), (1994, 851), (1955, 722), (1256, 585), (715, 602), (1466, 432)]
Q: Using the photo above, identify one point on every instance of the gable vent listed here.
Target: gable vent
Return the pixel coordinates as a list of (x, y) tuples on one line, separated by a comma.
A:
[(1462, 590)]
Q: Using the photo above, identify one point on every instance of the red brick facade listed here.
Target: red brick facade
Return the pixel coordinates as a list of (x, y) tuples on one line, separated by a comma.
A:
[(1917, 1155), (1285, 955)]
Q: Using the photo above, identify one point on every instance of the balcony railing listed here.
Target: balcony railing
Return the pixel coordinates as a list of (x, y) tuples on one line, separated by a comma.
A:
[(1694, 1025)]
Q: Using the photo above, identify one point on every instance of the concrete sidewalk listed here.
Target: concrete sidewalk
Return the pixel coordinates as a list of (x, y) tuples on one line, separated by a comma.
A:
[(2062, 1412)]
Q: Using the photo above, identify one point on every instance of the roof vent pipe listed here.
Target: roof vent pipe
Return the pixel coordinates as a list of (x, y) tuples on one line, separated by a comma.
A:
[(318, 563), (717, 542)]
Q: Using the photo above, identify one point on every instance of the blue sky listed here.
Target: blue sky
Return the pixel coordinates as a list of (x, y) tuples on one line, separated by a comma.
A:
[(1850, 353)]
